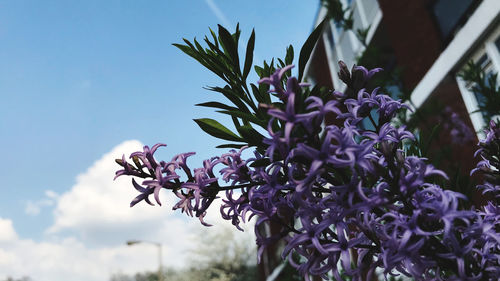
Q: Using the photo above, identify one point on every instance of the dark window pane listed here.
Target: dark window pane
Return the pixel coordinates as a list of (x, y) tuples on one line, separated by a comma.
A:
[(497, 43), (448, 14), (483, 61)]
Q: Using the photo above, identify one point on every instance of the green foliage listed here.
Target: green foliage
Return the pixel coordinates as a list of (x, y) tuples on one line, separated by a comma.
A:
[(336, 12), (486, 86), (305, 52), (249, 102), (24, 278), (216, 256), (216, 129)]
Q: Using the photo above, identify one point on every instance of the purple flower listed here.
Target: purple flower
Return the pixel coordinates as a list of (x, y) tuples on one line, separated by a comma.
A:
[(358, 80), (275, 81), (185, 203), (235, 209), (333, 193), (147, 157), (145, 192), (128, 169), (361, 107), (236, 169), (289, 116), (388, 108), (159, 182), (276, 144)]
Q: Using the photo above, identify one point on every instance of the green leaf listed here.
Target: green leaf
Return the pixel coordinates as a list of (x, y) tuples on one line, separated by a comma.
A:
[(308, 46), (249, 55), (289, 55), (230, 47), (231, 95), (216, 129), (281, 63), (214, 37), (259, 70), (259, 96), (231, 145), (192, 52), (215, 104), (250, 135), (244, 116)]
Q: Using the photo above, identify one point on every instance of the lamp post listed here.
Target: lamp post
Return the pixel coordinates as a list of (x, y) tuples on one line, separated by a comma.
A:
[(160, 271)]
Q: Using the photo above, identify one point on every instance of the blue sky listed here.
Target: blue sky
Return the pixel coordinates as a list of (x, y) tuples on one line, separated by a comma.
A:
[(79, 78)]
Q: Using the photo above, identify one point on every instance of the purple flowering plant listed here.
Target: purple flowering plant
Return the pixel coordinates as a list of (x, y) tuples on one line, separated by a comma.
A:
[(348, 200)]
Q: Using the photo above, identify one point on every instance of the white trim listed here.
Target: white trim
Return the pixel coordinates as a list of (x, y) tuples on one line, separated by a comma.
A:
[(276, 272), (361, 11), (374, 26), (490, 50), (477, 24), (357, 47), (471, 105), (331, 63), (329, 58)]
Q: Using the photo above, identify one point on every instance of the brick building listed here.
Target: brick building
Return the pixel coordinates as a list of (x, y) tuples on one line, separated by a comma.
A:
[(429, 42)]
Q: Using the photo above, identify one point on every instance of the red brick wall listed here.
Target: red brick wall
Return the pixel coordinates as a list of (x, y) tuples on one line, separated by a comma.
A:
[(319, 68), (413, 35)]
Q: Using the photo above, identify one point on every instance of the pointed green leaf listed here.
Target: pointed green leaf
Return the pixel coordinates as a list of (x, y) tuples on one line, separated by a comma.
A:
[(281, 63), (230, 95), (217, 105), (216, 129), (289, 55), (259, 70), (244, 116), (214, 37), (250, 135), (306, 50), (230, 47), (249, 55), (231, 145)]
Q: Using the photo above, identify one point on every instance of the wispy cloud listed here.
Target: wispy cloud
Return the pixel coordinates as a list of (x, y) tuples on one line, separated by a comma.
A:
[(219, 14), (34, 208)]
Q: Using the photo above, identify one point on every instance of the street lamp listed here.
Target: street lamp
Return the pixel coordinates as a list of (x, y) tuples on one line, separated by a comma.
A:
[(160, 273)]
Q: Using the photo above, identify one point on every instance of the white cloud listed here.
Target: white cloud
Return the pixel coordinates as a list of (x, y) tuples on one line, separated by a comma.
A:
[(68, 259), (92, 222), (7, 231), (33, 208)]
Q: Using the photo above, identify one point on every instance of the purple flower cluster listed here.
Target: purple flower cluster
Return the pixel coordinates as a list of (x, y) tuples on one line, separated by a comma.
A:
[(196, 193), (489, 166), (460, 133), (345, 198)]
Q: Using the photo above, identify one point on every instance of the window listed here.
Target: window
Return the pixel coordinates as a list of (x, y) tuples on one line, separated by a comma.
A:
[(487, 57), (449, 13), (486, 65), (344, 45)]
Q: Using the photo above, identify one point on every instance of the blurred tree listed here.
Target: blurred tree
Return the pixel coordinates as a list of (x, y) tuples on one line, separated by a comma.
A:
[(216, 256), (24, 278)]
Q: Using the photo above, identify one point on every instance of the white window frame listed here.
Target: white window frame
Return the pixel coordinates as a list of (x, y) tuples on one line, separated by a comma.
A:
[(488, 48), (358, 48)]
